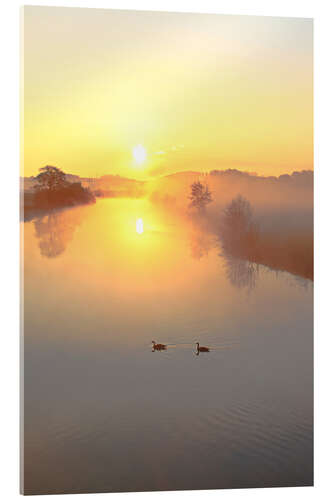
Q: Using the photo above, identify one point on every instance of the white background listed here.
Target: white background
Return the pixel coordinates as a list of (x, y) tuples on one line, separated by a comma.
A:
[(322, 12)]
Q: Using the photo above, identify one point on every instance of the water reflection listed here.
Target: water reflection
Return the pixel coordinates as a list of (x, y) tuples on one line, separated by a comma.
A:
[(201, 243), (241, 273), (205, 412), (139, 226), (56, 230)]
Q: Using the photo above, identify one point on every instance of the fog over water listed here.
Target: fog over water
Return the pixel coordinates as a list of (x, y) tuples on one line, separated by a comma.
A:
[(105, 413)]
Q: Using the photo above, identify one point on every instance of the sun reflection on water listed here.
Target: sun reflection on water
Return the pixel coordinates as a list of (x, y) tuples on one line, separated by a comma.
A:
[(139, 226)]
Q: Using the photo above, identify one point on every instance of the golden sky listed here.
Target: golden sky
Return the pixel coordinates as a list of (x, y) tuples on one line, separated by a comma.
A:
[(197, 91)]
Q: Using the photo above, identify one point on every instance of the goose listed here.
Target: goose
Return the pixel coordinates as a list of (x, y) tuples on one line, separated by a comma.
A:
[(158, 347), (202, 349)]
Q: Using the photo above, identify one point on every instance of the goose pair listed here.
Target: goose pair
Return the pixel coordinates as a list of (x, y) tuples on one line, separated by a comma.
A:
[(162, 347)]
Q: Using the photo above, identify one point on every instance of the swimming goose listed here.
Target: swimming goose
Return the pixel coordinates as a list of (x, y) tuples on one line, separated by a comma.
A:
[(158, 347), (202, 349)]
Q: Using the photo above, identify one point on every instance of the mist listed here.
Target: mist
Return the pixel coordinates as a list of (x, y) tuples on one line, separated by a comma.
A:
[(281, 215)]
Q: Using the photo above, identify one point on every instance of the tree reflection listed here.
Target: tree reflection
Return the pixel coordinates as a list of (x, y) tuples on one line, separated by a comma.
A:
[(201, 243), (241, 273), (55, 231)]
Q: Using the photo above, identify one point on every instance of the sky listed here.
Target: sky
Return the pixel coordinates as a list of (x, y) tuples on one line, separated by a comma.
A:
[(193, 91)]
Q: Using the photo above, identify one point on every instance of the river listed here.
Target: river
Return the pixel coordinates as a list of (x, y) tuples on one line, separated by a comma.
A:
[(103, 412)]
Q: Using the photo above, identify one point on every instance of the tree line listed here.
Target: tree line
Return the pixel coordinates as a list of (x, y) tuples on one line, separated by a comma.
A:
[(53, 190), (241, 237)]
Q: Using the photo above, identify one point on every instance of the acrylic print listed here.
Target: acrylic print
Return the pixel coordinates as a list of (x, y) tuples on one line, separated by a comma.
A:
[(167, 251)]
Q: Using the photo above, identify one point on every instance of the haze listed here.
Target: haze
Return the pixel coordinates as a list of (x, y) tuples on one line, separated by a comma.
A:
[(199, 92)]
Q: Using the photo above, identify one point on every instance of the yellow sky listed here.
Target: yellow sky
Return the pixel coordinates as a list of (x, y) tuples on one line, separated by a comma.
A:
[(198, 91)]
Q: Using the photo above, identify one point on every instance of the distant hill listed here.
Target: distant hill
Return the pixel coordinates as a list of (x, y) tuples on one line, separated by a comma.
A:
[(106, 182), (265, 193)]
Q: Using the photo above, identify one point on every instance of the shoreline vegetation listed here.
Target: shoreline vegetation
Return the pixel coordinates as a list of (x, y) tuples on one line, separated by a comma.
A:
[(52, 191), (260, 220), (243, 238)]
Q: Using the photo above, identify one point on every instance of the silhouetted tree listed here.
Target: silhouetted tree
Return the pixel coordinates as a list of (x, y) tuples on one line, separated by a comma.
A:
[(200, 196), (53, 190), (51, 178)]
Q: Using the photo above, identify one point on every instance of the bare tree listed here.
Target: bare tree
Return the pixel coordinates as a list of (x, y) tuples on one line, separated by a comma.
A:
[(200, 196)]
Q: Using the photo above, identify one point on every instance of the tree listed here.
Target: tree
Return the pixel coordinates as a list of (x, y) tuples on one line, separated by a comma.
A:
[(51, 178), (200, 196), (53, 190)]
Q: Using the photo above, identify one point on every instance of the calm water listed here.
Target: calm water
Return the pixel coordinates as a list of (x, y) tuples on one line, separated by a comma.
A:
[(105, 413)]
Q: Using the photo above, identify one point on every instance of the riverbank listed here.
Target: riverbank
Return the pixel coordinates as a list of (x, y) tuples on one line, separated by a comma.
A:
[(35, 204)]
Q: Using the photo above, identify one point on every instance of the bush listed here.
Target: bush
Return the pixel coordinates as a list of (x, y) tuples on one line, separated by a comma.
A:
[(69, 195)]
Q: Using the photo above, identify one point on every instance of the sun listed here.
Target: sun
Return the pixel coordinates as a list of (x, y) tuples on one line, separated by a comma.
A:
[(139, 154)]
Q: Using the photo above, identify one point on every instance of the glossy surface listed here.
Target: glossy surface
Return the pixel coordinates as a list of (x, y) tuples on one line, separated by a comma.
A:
[(105, 413)]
